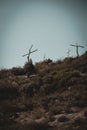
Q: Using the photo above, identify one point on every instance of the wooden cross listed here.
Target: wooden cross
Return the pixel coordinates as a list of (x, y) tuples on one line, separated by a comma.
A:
[(28, 54), (68, 52), (77, 46), (44, 57)]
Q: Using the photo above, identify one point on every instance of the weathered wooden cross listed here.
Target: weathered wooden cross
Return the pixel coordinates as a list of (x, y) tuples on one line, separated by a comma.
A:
[(77, 46), (68, 52), (28, 54)]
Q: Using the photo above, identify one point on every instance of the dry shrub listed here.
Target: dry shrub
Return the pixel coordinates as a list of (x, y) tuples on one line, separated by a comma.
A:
[(31, 88), (35, 126), (29, 68), (81, 122), (85, 113), (55, 109), (4, 73), (17, 71), (7, 90), (68, 61), (59, 61), (63, 119), (43, 67), (48, 79), (81, 101), (75, 73), (48, 88), (31, 126), (28, 90), (29, 107)]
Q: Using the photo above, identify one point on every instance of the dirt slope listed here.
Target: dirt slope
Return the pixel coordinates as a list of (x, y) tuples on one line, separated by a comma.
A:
[(47, 95)]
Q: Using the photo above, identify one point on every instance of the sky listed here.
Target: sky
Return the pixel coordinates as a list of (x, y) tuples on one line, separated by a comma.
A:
[(50, 25)]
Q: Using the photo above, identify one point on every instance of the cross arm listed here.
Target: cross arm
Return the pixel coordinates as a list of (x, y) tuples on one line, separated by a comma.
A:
[(72, 45), (81, 46), (30, 48), (34, 51), (25, 55)]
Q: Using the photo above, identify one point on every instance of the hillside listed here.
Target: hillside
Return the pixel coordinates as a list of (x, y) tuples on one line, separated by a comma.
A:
[(45, 96)]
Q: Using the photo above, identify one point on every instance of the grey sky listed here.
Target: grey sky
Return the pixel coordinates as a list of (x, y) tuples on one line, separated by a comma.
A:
[(50, 25)]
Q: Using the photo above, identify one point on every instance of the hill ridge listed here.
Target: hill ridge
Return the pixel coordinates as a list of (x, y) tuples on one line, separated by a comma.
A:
[(47, 95)]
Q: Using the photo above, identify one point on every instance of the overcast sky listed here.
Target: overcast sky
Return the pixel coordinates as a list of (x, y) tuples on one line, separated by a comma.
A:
[(50, 25)]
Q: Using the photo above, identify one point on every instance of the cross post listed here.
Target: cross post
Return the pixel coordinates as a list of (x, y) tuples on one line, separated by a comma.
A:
[(77, 46), (30, 52)]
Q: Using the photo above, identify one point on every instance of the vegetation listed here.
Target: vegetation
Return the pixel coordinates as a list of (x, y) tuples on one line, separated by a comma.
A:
[(47, 95)]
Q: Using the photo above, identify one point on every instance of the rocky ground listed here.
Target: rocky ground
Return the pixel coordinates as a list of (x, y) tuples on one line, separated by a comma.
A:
[(45, 96)]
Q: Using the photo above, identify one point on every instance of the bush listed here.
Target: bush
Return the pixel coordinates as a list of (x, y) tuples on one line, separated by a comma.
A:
[(75, 73), (29, 68), (59, 61), (17, 71), (55, 109), (28, 90), (7, 90), (68, 61), (79, 121), (59, 75), (60, 79), (29, 106), (81, 101), (83, 69), (4, 73), (48, 88), (85, 113), (63, 119), (35, 126), (48, 79)]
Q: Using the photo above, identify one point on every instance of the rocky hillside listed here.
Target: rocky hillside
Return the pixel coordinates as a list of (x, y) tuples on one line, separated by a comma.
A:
[(45, 96)]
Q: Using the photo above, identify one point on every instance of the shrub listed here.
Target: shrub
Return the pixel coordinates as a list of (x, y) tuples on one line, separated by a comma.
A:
[(55, 109), (83, 69), (75, 73), (59, 61), (61, 83), (4, 73), (63, 119), (68, 61), (7, 90), (17, 71), (36, 126), (48, 79), (59, 75), (60, 79), (29, 68), (82, 100), (48, 61), (28, 90), (79, 121), (29, 106), (85, 113), (48, 88)]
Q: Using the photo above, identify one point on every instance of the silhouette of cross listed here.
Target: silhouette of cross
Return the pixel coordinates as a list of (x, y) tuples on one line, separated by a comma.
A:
[(28, 54), (77, 46)]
